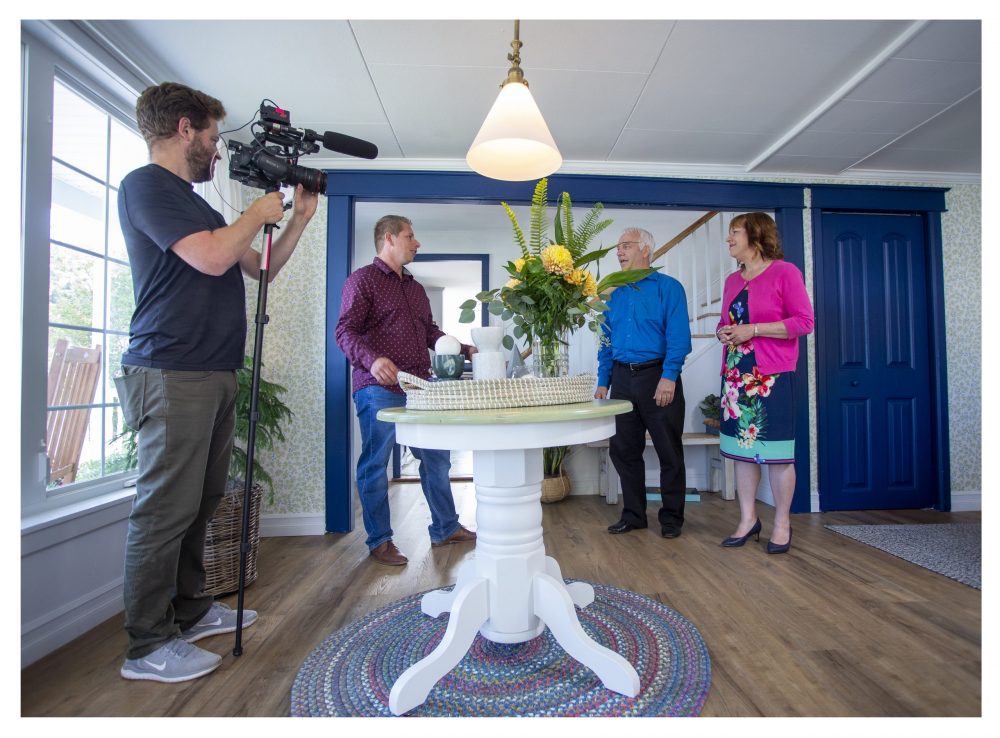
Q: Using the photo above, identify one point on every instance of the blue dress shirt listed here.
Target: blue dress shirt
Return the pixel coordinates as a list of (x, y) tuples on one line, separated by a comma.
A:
[(646, 320)]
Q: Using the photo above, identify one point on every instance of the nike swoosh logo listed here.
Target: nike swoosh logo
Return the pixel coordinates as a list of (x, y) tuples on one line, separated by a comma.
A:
[(158, 667), (217, 621)]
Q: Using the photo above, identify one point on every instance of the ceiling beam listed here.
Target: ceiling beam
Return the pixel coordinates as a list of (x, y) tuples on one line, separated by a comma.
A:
[(841, 92)]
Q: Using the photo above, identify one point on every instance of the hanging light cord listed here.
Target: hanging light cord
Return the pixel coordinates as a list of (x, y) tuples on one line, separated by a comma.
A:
[(514, 74)]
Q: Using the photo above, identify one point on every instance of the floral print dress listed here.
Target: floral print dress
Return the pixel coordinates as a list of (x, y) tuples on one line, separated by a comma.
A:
[(758, 410)]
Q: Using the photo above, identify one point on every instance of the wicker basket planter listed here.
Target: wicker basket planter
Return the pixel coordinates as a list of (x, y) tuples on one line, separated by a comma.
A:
[(222, 543), (555, 488)]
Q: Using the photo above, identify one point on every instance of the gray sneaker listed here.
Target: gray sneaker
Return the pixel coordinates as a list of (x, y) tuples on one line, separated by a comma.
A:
[(174, 661), (219, 619)]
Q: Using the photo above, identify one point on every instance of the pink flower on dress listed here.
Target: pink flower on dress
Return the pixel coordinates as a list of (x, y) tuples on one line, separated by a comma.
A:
[(730, 406), (757, 383), (733, 377)]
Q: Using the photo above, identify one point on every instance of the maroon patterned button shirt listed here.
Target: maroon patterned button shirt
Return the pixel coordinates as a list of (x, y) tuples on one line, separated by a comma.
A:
[(382, 314)]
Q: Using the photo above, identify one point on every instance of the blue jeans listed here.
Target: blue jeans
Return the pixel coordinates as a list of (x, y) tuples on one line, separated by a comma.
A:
[(377, 440)]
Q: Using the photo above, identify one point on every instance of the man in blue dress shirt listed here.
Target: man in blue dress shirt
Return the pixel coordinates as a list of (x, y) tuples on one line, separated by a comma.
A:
[(649, 336)]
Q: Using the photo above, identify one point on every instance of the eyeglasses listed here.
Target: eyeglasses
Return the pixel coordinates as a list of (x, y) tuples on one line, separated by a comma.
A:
[(625, 243)]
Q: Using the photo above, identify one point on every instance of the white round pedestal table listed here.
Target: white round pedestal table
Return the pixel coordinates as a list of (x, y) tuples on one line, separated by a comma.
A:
[(509, 590)]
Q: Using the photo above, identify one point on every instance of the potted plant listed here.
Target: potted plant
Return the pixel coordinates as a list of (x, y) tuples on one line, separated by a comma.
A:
[(222, 542), (711, 408), (555, 483)]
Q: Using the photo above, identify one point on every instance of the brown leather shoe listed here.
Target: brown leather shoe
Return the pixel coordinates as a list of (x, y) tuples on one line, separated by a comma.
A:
[(387, 553), (462, 535)]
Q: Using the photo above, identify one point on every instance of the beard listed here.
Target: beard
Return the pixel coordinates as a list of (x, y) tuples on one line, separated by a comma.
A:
[(199, 159)]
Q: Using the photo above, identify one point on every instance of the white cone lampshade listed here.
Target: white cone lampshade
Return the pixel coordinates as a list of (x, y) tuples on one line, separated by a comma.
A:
[(514, 144)]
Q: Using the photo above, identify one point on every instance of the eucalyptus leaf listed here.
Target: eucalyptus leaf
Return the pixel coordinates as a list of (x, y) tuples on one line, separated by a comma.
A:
[(508, 342), (467, 316), (496, 307), (468, 305)]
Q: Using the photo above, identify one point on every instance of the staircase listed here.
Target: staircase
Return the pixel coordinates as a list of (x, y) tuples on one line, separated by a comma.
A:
[(698, 258)]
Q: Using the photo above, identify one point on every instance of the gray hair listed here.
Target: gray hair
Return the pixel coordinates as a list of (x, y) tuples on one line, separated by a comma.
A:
[(644, 237)]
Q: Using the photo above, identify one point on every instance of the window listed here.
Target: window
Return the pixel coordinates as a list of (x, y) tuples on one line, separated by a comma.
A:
[(90, 291)]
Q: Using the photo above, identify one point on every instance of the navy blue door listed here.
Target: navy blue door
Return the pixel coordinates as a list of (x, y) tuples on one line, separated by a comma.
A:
[(873, 395)]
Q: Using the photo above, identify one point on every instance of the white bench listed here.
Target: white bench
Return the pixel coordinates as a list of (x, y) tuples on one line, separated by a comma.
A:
[(720, 471)]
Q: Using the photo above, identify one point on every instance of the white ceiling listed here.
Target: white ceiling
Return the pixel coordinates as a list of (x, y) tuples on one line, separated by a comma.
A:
[(852, 99)]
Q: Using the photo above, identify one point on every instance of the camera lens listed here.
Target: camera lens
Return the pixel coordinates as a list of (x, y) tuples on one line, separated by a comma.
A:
[(313, 180)]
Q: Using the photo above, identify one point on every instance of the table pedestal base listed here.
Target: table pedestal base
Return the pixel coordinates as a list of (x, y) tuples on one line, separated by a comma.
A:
[(510, 591)]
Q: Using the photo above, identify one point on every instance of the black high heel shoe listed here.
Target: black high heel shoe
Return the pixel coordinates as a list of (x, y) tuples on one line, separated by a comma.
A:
[(780, 548), (740, 540)]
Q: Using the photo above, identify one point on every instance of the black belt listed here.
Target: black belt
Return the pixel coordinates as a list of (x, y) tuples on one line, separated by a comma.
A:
[(641, 364)]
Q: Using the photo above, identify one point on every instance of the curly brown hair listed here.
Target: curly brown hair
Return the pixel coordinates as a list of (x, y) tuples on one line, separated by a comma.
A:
[(160, 107), (762, 233)]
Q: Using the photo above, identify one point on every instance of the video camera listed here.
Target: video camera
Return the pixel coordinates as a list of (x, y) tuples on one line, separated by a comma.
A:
[(271, 161)]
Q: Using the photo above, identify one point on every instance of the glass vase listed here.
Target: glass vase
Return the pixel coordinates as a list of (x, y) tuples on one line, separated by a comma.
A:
[(550, 355)]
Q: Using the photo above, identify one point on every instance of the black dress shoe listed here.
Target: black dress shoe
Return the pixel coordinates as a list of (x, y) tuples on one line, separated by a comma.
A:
[(623, 526), (734, 541), (780, 548), (666, 532)]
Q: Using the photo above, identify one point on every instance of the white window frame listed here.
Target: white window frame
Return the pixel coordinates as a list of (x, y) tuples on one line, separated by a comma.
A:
[(43, 62)]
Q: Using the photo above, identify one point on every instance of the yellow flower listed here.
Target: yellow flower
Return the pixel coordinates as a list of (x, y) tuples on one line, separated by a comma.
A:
[(590, 286), (557, 260), (577, 276), (512, 283)]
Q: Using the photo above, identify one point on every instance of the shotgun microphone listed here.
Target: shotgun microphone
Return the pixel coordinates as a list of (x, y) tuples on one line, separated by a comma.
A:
[(339, 142)]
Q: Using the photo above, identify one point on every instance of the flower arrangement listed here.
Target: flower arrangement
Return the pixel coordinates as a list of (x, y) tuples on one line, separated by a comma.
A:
[(551, 292)]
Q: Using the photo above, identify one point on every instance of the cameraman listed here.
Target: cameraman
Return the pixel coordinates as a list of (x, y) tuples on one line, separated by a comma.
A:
[(178, 382)]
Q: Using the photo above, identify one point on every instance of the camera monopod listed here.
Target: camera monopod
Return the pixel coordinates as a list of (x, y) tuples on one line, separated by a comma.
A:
[(258, 345)]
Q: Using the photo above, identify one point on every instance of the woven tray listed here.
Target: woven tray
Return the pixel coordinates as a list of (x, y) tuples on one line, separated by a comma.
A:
[(493, 394)]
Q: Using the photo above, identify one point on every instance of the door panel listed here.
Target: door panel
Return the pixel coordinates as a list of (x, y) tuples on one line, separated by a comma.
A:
[(872, 338)]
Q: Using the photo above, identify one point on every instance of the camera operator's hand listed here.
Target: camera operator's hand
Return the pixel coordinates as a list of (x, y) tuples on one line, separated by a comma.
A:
[(267, 209), (305, 202)]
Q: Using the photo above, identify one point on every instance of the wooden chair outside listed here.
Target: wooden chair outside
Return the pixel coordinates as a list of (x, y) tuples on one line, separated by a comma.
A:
[(73, 378)]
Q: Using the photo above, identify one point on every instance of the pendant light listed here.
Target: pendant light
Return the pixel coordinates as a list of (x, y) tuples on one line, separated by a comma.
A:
[(514, 144)]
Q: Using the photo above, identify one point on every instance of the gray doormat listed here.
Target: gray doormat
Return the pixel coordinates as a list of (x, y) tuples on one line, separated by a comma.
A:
[(951, 549)]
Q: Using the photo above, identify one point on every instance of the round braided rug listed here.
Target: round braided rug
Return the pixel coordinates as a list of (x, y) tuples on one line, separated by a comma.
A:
[(352, 671)]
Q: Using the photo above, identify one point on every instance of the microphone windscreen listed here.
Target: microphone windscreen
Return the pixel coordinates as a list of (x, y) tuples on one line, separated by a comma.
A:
[(349, 145)]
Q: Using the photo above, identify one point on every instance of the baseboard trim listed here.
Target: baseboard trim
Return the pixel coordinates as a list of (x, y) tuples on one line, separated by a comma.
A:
[(970, 500), (292, 524), (44, 635)]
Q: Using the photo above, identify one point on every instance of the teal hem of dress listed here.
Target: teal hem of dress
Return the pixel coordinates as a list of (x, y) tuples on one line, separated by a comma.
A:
[(760, 452)]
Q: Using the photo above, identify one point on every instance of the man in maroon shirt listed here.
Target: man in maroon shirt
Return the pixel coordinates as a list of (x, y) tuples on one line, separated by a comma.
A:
[(385, 327)]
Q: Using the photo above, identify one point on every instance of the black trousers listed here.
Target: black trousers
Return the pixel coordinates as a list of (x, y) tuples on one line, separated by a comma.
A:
[(665, 426)]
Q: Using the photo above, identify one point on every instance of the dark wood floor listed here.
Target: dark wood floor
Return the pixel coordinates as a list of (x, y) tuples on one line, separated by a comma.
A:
[(835, 628)]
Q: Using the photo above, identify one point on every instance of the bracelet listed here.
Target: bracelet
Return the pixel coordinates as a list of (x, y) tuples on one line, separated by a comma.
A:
[(755, 330)]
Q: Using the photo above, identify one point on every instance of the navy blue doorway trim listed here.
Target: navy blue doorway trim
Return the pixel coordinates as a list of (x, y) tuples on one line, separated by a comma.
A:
[(348, 187)]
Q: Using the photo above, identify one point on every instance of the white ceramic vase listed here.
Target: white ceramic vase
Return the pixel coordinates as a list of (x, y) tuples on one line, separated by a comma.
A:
[(488, 362)]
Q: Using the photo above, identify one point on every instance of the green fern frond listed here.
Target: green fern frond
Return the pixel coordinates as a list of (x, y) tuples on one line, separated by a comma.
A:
[(518, 233), (567, 226), (591, 227), (539, 224)]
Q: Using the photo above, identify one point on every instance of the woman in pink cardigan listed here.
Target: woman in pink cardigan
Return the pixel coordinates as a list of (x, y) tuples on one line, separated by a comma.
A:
[(766, 310)]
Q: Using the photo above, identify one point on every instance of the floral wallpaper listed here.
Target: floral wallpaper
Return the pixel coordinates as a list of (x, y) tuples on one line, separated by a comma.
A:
[(294, 350), (294, 356)]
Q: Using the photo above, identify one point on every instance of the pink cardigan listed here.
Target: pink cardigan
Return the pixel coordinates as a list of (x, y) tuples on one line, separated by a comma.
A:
[(777, 293)]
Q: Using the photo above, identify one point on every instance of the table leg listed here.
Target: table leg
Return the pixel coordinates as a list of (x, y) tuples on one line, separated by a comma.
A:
[(554, 605), (470, 611), (510, 590)]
